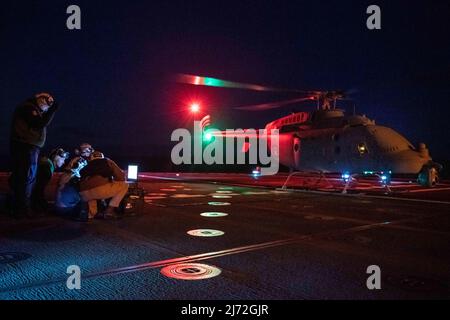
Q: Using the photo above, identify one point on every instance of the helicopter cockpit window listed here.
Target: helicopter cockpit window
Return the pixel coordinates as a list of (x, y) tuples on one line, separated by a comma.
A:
[(362, 149)]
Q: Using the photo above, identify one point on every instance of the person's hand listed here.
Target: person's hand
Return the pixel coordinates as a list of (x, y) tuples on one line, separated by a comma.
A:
[(50, 100)]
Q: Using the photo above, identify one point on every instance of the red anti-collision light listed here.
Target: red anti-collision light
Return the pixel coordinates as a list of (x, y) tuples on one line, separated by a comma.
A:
[(195, 107)]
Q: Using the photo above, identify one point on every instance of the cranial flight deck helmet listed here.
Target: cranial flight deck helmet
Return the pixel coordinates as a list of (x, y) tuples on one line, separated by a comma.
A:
[(97, 155), (85, 150), (59, 152), (44, 100)]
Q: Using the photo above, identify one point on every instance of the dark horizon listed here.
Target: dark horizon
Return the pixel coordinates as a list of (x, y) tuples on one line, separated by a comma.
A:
[(111, 76)]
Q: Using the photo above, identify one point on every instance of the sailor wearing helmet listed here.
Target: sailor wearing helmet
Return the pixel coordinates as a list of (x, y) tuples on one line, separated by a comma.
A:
[(28, 135), (46, 168)]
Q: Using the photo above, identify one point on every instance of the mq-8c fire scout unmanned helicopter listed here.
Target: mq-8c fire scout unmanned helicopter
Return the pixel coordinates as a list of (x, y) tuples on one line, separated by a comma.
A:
[(330, 141)]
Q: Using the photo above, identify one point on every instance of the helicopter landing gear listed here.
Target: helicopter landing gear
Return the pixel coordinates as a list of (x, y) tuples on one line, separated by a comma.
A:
[(429, 175), (348, 179), (385, 180)]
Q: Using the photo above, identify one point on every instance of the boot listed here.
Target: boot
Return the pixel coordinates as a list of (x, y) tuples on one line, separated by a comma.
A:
[(110, 213), (84, 213)]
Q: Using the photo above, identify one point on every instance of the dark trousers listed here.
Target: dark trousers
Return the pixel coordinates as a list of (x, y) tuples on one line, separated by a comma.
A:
[(24, 159), (43, 178), (38, 202)]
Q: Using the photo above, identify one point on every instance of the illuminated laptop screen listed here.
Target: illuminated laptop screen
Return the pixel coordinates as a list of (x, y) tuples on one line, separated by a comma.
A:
[(132, 172)]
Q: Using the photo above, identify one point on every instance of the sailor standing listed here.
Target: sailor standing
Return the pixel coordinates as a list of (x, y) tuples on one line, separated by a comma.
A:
[(28, 135)]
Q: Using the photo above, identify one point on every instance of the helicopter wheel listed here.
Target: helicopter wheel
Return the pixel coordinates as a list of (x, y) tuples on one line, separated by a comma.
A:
[(429, 177), (434, 177)]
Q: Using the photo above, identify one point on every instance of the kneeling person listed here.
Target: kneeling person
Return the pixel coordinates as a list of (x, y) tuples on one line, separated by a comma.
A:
[(46, 168), (102, 179), (68, 194)]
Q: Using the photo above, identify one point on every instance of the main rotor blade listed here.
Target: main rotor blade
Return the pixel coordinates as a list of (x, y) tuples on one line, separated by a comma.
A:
[(273, 105), (213, 82)]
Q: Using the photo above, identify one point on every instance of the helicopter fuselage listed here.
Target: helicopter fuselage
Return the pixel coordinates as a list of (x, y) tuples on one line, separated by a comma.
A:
[(330, 141)]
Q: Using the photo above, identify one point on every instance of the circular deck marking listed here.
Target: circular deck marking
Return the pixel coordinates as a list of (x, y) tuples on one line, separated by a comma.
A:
[(252, 193), (221, 196), (205, 233), (12, 257), (153, 198), (279, 192), (226, 188), (214, 214), (185, 196), (214, 203), (191, 271), (128, 206)]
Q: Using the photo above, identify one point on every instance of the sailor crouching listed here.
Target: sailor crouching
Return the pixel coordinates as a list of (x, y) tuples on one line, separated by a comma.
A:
[(46, 168), (102, 179)]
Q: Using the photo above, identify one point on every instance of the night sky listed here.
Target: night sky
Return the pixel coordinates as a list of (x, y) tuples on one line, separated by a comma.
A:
[(111, 77)]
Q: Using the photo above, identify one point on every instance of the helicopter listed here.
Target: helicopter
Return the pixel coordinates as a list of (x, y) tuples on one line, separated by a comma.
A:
[(328, 140)]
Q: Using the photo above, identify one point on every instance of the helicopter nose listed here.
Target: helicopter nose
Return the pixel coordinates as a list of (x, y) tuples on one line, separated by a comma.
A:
[(408, 161), (423, 151)]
